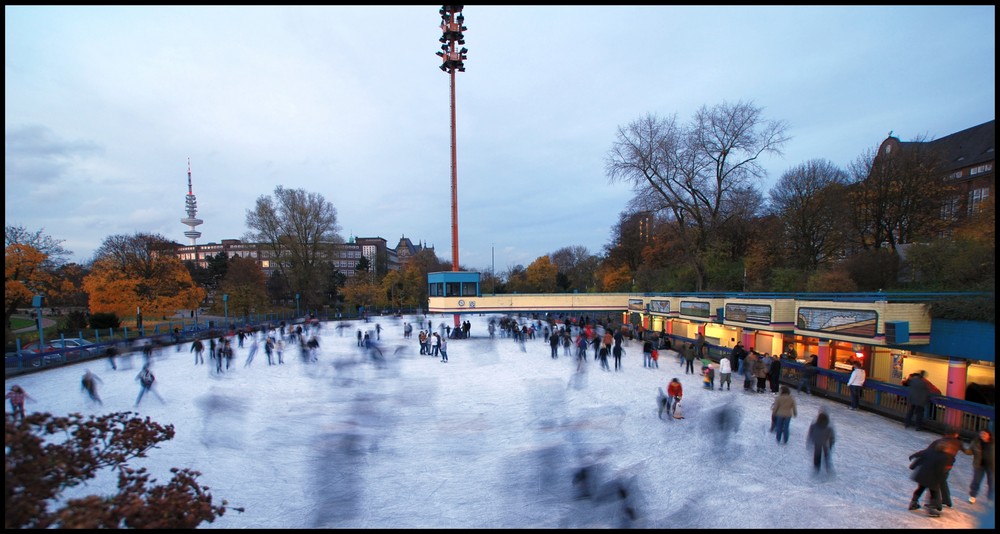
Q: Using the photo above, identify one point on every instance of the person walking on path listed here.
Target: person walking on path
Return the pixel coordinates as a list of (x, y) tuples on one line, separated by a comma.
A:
[(821, 438), (89, 384), (855, 383), (916, 399), (17, 396), (784, 410), (983, 463)]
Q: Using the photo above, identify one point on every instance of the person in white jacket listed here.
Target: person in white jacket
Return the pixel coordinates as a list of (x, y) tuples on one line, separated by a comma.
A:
[(854, 383), (725, 373)]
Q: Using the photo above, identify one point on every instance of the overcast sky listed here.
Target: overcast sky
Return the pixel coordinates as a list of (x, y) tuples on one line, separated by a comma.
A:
[(105, 105)]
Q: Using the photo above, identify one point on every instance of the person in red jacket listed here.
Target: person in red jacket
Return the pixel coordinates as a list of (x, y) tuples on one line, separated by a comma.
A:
[(674, 393)]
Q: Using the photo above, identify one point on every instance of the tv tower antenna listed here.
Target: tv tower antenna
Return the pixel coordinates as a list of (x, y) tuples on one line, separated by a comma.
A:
[(191, 203)]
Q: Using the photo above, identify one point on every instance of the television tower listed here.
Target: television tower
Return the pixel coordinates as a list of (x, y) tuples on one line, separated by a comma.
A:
[(192, 209)]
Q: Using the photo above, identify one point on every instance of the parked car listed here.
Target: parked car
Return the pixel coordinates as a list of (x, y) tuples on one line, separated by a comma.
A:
[(72, 348)]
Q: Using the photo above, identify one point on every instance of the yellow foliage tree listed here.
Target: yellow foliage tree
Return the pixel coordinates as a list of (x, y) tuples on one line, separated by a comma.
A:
[(361, 290), (246, 286), (616, 278), (26, 275), (160, 287), (541, 275)]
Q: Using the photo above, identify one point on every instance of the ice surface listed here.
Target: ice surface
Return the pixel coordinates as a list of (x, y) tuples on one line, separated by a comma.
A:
[(494, 438)]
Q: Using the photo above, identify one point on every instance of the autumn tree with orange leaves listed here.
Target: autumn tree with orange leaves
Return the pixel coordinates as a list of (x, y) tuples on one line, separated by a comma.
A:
[(26, 274), (136, 270)]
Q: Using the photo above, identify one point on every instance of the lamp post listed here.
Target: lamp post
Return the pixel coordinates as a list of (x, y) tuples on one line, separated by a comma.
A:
[(225, 307), (38, 301), (452, 28), (297, 305)]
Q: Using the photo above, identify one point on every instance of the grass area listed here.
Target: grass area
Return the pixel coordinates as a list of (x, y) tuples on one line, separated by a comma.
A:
[(16, 323)]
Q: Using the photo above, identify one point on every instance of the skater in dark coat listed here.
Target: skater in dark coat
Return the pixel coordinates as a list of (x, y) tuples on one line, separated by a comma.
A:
[(930, 470), (821, 437), (983, 463), (89, 383)]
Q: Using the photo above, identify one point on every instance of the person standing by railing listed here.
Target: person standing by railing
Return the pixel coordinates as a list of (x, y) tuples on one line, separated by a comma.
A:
[(809, 371), (855, 383), (916, 400)]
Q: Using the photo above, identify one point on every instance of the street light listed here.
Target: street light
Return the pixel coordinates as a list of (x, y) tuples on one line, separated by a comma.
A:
[(452, 32), (38, 301), (225, 307), (297, 314)]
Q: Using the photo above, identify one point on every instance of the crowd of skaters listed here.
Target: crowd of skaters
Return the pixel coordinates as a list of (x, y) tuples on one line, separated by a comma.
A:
[(760, 373)]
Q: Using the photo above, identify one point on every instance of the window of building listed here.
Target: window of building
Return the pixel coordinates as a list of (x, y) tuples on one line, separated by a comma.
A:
[(949, 209), (980, 169), (977, 197), (469, 289)]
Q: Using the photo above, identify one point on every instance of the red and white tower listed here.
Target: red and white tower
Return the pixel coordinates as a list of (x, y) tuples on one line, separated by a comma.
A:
[(191, 204)]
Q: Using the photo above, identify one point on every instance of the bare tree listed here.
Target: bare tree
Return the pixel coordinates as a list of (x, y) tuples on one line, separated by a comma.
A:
[(299, 229), (695, 171), (896, 195), (44, 243), (811, 200), (576, 266)]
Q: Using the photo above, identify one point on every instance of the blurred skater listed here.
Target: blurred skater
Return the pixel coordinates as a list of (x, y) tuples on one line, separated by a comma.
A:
[(821, 438), (16, 396), (89, 384), (983, 463), (784, 410), (146, 380), (198, 348), (112, 352), (930, 470), (253, 349), (932, 476)]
